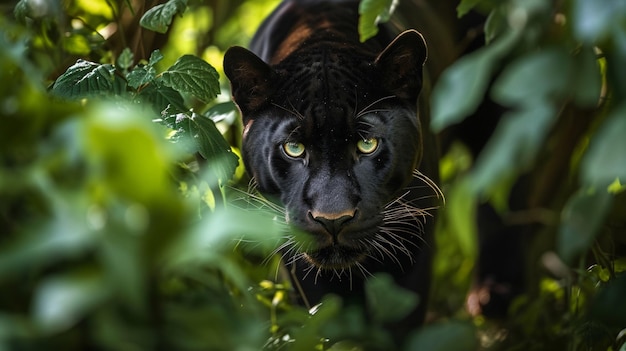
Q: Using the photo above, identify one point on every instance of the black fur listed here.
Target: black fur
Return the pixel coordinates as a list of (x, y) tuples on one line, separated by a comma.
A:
[(311, 82)]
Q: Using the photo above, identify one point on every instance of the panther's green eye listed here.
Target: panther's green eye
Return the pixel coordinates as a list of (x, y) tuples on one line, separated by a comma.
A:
[(293, 149), (367, 146)]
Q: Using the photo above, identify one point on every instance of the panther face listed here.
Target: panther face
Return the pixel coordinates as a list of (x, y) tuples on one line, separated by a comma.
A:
[(332, 135)]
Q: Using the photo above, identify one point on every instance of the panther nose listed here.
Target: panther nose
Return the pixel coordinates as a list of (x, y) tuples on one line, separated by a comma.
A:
[(333, 222)]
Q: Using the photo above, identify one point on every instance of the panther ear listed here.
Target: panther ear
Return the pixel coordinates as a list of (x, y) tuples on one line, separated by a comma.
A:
[(249, 77), (400, 64)]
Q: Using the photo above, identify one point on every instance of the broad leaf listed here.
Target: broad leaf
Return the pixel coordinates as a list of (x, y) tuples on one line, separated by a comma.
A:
[(539, 75), (581, 218), (606, 158), (140, 75), (466, 6), (388, 301), (513, 146), (593, 20), (449, 336), (163, 98), (462, 86), (192, 75), (125, 60), (86, 78), (61, 301), (201, 135), (160, 17), (373, 12)]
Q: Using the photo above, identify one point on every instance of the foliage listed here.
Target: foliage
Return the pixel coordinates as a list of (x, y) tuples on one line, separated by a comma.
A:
[(554, 68), (123, 226)]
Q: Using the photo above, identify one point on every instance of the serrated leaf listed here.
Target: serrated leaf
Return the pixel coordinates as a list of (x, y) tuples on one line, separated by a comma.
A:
[(125, 60), (140, 75), (160, 17), (582, 216), (192, 75), (207, 140), (373, 12), (86, 78), (155, 57), (163, 98), (20, 11)]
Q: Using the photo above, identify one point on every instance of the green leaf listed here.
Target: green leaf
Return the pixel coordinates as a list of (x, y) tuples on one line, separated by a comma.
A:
[(132, 158), (586, 78), (608, 306), (539, 75), (163, 98), (513, 146), (462, 86), (21, 11), (593, 20), (446, 336), (461, 206), (125, 60), (373, 12), (201, 133), (160, 17), (192, 75), (582, 216), (495, 24), (155, 57), (61, 301), (388, 301), (140, 75), (84, 79), (606, 159), (465, 6), (222, 111)]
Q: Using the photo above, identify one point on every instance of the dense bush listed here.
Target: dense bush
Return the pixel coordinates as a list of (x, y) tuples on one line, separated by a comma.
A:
[(125, 221)]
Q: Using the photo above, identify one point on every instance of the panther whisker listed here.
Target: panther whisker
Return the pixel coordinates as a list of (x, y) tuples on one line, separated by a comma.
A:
[(294, 112), (365, 110)]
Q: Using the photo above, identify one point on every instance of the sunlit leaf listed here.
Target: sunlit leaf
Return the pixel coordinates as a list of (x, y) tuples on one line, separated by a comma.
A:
[(155, 57), (198, 133), (192, 75), (606, 159), (450, 336), (373, 12), (140, 75), (84, 79), (160, 17), (461, 207), (581, 218), (125, 60), (131, 158)]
